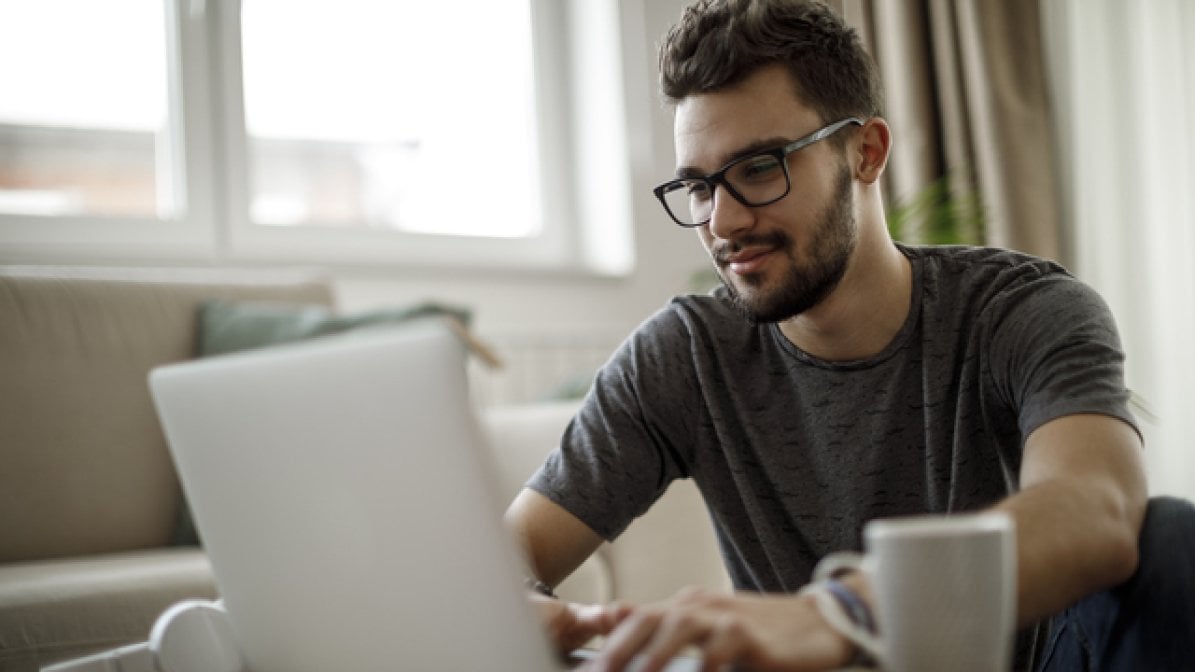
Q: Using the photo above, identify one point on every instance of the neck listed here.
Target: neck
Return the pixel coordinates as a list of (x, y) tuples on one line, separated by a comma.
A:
[(867, 308)]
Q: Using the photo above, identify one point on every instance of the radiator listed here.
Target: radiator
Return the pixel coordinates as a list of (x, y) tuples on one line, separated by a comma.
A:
[(539, 366)]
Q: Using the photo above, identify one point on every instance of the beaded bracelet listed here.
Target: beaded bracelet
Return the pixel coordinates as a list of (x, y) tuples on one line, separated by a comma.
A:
[(847, 614), (852, 604)]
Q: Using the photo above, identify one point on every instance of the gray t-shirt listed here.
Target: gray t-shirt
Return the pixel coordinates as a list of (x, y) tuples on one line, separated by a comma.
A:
[(793, 454)]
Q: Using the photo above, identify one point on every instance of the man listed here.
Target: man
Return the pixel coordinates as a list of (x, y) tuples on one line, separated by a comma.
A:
[(836, 377)]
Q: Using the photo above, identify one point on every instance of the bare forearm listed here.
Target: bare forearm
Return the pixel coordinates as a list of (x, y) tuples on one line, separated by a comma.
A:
[(555, 542), (1077, 527), (1072, 541)]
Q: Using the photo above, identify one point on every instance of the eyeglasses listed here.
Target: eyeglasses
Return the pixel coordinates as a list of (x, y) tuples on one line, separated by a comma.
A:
[(754, 180)]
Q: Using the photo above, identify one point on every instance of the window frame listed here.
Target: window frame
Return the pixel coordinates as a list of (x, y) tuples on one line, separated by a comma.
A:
[(210, 171)]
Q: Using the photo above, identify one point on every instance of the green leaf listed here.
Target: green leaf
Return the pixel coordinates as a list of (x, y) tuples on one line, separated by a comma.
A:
[(939, 216)]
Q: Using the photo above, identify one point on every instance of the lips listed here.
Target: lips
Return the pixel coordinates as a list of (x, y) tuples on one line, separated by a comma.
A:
[(750, 253), (746, 259)]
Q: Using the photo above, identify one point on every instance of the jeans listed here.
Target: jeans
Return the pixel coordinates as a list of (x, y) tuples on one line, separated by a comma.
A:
[(1146, 624)]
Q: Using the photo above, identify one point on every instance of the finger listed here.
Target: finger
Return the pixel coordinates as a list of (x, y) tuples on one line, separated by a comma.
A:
[(617, 612), (569, 625), (608, 616), (596, 619), (725, 645), (627, 640), (678, 629)]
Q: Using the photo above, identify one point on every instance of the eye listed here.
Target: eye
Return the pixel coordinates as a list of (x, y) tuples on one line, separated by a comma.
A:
[(759, 168), (696, 189)]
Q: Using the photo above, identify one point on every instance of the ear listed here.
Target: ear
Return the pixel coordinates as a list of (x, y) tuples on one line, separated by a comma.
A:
[(872, 144)]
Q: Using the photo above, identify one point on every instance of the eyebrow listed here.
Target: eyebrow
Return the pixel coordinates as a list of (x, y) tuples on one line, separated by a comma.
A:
[(683, 172)]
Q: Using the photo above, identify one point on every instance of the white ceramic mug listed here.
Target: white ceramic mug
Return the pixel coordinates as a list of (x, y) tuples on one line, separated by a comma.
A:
[(945, 591)]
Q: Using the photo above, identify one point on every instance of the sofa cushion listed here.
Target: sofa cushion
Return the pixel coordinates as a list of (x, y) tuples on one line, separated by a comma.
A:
[(61, 609), (86, 468)]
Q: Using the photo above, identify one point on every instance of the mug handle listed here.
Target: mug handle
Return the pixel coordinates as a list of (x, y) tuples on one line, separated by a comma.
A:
[(829, 566)]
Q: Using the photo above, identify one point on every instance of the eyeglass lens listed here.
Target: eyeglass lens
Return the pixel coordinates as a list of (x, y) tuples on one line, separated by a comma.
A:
[(754, 180)]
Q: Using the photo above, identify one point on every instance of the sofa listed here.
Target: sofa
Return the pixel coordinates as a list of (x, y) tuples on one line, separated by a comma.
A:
[(92, 547)]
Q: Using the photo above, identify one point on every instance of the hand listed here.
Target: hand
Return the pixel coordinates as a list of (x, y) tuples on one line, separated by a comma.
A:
[(570, 625), (765, 632)]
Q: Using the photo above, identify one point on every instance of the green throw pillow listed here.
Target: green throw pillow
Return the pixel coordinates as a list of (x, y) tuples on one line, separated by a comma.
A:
[(226, 326), (229, 326)]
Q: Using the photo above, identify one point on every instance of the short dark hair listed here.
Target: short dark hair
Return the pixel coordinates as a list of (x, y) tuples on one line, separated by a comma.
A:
[(719, 43)]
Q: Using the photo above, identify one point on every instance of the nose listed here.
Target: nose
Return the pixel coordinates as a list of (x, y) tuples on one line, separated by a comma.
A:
[(729, 217)]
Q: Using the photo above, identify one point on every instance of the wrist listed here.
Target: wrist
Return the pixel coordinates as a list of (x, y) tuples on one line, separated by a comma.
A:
[(838, 649), (540, 587), (850, 599), (848, 615), (857, 582), (859, 612)]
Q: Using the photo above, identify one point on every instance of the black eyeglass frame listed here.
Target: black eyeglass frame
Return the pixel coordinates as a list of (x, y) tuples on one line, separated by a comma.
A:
[(780, 153)]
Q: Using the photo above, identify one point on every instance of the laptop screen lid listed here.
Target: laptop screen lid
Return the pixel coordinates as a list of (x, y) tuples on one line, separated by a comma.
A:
[(347, 507)]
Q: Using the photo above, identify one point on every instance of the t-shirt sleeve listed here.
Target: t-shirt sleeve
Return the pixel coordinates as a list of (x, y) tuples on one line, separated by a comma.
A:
[(1055, 351), (621, 451)]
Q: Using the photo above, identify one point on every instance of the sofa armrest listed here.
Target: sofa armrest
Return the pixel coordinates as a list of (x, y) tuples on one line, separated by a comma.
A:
[(56, 610)]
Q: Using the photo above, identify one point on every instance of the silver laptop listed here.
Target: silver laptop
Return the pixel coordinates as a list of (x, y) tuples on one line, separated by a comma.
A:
[(347, 508)]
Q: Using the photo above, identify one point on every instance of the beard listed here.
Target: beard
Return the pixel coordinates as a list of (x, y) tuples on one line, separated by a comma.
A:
[(802, 286)]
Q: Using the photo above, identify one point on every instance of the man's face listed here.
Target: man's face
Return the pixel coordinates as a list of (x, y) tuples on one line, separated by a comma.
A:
[(781, 259)]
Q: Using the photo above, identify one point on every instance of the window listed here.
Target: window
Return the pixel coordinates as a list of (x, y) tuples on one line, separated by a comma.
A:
[(327, 131), (83, 123), (342, 131)]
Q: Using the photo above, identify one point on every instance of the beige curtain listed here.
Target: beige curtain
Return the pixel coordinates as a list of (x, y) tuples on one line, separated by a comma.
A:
[(966, 97)]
